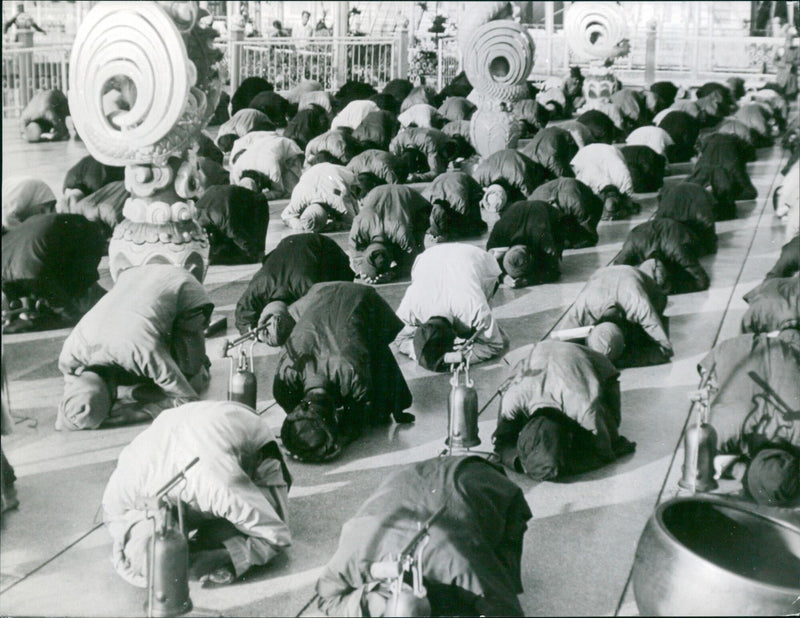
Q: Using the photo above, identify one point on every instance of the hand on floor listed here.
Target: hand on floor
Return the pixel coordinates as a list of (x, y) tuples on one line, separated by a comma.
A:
[(404, 417), (211, 568)]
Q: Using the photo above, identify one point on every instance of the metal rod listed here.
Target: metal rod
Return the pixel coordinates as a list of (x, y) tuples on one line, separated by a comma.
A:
[(176, 479)]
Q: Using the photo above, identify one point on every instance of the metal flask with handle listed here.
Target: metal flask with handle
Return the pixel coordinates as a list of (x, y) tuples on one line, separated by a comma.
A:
[(700, 444), (167, 552), (242, 384), (462, 406)]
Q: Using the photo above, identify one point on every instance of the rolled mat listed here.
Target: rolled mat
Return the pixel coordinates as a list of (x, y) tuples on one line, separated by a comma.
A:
[(498, 59)]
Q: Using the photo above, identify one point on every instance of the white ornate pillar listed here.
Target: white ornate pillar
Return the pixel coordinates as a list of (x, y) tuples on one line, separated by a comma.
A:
[(497, 55), (597, 32), (144, 81)]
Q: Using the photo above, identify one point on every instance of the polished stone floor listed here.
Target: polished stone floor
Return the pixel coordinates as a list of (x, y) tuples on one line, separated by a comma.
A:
[(579, 547)]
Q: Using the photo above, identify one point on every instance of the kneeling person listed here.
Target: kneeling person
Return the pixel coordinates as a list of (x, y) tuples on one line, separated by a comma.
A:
[(471, 565), (147, 332), (451, 285), (631, 300), (561, 413), (235, 497), (336, 373)]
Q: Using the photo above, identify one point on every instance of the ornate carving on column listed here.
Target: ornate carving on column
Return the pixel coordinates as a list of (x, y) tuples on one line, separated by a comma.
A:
[(497, 58), (597, 32), (144, 82)]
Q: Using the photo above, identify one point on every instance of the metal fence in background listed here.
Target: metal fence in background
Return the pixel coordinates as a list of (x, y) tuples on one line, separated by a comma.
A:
[(678, 54), (331, 61), (27, 70)]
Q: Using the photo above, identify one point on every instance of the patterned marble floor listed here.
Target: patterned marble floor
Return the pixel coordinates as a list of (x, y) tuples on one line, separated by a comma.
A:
[(579, 548)]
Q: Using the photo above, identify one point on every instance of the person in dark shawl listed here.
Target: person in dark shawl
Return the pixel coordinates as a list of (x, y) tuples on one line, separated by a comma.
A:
[(529, 240), (472, 561), (306, 125), (288, 272), (336, 375), (236, 221), (560, 413), (49, 271)]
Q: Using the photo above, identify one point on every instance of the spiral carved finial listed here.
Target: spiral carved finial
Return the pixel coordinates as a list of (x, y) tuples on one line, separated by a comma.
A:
[(595, 29), (500, 59), (130, 78)]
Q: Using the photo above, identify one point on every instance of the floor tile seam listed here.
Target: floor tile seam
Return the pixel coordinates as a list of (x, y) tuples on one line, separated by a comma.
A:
[(754, 233), (52, 558)]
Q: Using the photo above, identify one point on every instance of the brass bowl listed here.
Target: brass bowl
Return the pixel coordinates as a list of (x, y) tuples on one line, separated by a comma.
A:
[(708, 556)]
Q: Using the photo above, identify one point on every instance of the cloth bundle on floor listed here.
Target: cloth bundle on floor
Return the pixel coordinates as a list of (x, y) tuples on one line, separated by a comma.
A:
[(580, 209), (456, 201), (394, 217), (513, 171), (537, 227), (674, 245), (472, 561), (288, 272), (552, 148), (236, 221), (690, 204)]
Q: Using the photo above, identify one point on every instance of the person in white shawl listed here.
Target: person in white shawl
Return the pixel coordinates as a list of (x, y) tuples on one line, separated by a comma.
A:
[(323, 200), (235, 497), (451, 285), (277, 162)]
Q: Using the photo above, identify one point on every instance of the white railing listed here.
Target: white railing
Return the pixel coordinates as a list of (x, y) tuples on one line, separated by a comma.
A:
[(26, 70), (698, 57), (329, 60), (448, 61)]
